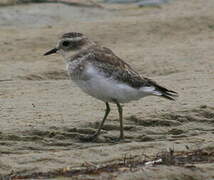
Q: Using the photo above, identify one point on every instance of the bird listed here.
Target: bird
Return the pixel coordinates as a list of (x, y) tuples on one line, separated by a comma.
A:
[(100, 73)]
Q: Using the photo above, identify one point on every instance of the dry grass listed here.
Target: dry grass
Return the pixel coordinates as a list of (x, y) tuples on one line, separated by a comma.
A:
[(126, 164)]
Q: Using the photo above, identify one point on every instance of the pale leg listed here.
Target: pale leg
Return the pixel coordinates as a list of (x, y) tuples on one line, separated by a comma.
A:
[(104, 118), (120, 110)]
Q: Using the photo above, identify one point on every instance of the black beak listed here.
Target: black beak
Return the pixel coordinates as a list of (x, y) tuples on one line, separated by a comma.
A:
[(52, 51)]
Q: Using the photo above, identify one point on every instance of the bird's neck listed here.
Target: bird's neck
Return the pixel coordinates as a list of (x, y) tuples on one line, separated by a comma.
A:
[(67, 54)]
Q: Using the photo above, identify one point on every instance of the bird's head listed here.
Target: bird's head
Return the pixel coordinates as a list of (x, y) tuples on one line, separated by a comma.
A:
[(69, 42)]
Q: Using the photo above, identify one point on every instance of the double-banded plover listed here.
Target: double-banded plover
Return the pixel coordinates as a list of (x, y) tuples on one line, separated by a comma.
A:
[(103, 75)]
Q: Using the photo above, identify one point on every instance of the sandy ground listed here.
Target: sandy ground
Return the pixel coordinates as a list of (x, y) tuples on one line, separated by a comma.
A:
[(42, 113)]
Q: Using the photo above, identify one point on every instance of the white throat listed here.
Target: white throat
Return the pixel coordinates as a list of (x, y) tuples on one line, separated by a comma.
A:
[(67, 54)]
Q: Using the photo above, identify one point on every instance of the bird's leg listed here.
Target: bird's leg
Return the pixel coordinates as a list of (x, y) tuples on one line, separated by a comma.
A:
[(93, 137), (104, 118), (120, 110)]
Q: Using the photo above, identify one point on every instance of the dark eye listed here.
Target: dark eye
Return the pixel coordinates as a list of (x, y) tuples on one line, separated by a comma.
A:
[(66, 43)]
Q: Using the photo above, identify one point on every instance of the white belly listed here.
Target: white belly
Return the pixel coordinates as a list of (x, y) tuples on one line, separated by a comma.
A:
[(95, 83), (108, 90)]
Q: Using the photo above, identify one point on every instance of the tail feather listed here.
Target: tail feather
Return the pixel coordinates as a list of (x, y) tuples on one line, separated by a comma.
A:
[(152, 87), (165, 93), (170, 97)]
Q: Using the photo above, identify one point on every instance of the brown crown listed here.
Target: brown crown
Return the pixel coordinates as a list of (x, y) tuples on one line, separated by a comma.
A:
[(72, 35)]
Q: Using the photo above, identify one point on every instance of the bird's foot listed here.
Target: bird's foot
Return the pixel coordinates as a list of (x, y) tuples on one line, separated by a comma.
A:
[(96, 138), (89, 138), (117, 139), (121, 137)]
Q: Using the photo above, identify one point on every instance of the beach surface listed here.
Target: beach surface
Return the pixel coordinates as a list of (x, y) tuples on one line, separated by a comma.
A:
[(43, 113)]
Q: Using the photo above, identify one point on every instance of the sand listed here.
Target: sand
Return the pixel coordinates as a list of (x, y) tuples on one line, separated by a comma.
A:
[(42, 113)]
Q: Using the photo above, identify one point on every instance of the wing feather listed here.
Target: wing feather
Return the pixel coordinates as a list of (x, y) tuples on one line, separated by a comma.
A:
[(112, 66)]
